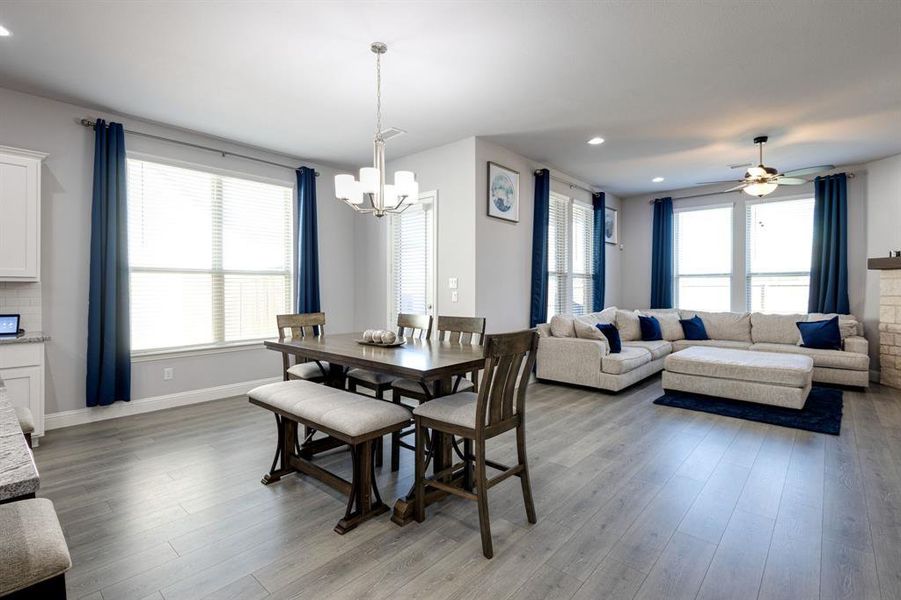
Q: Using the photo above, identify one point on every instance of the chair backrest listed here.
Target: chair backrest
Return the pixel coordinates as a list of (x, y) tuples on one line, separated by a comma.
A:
[(463, 330), (300, 326), (416, 326), (505, 378)]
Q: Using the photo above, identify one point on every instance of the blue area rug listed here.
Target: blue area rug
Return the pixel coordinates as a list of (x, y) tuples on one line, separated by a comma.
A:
[(822, 412)]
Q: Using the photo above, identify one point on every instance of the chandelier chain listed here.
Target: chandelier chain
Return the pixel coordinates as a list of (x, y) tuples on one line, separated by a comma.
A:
[(378, 96)]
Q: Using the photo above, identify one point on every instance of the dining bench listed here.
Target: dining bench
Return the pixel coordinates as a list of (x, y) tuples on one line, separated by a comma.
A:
[(347, 419)]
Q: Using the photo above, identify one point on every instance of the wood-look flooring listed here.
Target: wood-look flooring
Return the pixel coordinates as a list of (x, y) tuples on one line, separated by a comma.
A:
[(634, 500)]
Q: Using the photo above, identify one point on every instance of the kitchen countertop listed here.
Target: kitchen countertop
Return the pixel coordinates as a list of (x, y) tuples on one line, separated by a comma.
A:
[(18, 473), (30, 337)]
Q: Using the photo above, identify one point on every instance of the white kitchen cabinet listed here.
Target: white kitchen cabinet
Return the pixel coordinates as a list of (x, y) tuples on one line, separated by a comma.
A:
[(20, 214), (22, 371)]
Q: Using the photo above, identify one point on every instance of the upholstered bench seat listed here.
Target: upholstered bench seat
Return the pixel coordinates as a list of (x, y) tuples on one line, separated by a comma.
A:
[(346, 418), (762, 377), (308, 370), (33, 552)]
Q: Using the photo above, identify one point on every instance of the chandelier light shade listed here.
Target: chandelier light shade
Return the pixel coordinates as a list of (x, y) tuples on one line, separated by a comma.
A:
[(383, 198), (760, 188)]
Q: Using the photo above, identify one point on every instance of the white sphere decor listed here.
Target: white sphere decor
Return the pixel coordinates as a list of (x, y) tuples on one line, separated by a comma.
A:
[(367, 335), (389, 337)]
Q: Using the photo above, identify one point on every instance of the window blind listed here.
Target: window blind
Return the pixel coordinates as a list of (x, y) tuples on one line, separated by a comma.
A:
[(779, 242), (412, 257), (210, 256), (558, 256), (582, 248), (703, 239)]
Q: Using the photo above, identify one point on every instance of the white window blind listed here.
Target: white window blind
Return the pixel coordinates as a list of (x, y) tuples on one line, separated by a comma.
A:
[(412, 257), (570, 253), (209, 256), (703, 258), (779, 241)]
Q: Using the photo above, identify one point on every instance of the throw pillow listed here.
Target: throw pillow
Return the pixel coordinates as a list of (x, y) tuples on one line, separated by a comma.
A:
[(824, 335), (650, 329), (612, 334), (627, 324), (694, 328), (562, 326), (586, 330)]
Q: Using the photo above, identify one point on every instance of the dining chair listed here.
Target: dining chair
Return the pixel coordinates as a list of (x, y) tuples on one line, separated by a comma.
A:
[(408, 325), (457, 330), (296, 327), (498, 407)]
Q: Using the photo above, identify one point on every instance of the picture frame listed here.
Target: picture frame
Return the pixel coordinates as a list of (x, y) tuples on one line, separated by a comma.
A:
[(611, 226), (503, 193)]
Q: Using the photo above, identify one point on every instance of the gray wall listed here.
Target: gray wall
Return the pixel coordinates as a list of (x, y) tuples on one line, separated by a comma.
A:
[(36, 123)]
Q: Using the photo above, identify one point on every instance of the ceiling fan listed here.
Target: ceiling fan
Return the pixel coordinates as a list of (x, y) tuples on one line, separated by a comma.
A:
[(762, 180)]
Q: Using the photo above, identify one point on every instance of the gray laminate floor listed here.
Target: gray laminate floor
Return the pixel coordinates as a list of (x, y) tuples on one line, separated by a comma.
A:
[(634, 501)]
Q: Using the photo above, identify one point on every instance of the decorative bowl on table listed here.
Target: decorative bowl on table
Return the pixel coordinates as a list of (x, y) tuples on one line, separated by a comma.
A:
[(381, 338)]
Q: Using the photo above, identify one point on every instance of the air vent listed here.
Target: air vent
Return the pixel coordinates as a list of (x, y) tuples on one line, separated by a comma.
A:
[(392, 132), (741, 166)]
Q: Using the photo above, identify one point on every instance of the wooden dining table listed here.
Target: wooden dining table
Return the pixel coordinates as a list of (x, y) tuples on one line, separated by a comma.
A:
[(434, 364)]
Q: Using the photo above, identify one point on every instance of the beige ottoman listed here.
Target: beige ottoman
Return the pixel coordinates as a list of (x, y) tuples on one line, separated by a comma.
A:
[(761, 377)]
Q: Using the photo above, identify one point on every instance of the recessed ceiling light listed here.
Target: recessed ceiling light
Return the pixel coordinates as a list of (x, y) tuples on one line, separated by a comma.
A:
[(4, 32), (596, 140), (657, 179)]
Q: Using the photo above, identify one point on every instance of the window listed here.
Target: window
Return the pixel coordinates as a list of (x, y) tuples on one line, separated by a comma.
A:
[(570, 256), (779, 240), (412, 260), (209, 256), (703, 258)]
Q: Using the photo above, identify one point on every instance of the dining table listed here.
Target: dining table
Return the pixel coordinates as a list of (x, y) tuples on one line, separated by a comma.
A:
[(434, 364)]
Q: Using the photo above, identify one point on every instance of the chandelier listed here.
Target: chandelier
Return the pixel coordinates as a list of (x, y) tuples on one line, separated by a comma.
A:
[(384, 198)]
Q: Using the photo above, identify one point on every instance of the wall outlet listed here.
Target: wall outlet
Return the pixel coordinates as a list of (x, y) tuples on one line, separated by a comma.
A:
[(168, 373), (454, 296)]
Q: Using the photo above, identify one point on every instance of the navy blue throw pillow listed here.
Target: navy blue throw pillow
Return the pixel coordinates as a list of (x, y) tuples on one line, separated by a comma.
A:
[(694, 328), (824, 335), (612, 334), (650, 329)]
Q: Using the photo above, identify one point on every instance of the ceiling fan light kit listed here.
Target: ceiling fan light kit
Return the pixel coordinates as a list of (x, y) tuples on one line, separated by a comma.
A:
[(384, 198)]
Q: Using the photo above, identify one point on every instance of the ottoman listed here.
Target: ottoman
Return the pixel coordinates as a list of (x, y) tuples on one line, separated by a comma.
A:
[(761, 377)]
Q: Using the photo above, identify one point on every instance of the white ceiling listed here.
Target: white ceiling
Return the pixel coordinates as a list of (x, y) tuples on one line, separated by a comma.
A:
[(678, 89)]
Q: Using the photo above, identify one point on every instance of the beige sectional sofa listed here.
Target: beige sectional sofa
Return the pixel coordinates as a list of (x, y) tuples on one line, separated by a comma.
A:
[(572, 350)]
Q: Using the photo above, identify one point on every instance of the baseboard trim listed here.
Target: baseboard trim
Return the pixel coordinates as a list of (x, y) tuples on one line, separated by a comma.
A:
[(80, 416)]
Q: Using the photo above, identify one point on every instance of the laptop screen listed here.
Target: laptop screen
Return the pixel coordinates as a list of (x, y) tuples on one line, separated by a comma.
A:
[(9, 324)]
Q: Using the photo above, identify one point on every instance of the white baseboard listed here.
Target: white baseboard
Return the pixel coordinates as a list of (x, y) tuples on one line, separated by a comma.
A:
[(81, 416)]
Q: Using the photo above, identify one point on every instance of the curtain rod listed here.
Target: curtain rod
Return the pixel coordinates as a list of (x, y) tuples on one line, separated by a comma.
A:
[(90, 123), (652, 200), (569, 183)]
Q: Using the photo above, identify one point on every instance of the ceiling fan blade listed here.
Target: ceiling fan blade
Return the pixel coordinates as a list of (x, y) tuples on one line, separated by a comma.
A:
[(809, 170), (736, 188), (719, 182), (781, 180)]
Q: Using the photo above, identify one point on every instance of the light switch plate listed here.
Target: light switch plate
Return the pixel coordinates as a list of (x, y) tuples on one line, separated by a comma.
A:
[(452, 283)]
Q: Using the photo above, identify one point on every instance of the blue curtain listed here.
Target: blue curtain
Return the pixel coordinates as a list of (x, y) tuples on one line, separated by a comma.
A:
[(538, 311), (829, 260), (109, 341), (306, 243), (599, 267), (662, 254)]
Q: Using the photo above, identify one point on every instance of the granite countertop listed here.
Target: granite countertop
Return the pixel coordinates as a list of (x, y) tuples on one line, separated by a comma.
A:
[(18, 473), (30, 337)]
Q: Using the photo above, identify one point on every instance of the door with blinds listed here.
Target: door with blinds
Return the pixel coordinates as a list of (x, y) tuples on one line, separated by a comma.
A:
[(411, 241)]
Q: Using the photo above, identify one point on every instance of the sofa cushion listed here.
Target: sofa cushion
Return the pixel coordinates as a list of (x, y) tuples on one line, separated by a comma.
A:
[(833, 359), (742, 365), (650, 328), (848, 324), (775, 329), (683, 344), (669, 322), (626, 360), (724, 325), (657, 348), (562, 326), (586, 330), (627, 323), (824, 335)]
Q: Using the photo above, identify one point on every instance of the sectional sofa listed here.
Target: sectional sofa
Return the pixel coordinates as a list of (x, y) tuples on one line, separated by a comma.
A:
[(572, 350)]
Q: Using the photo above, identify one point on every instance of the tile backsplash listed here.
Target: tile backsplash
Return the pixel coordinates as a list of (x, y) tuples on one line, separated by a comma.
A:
[(24, 299)]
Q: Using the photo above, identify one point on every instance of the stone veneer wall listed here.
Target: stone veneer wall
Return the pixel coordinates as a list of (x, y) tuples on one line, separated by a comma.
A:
[(890, 327), (23, 299)]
